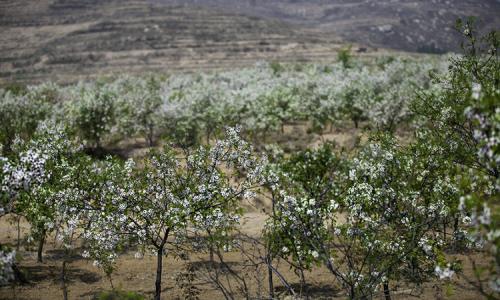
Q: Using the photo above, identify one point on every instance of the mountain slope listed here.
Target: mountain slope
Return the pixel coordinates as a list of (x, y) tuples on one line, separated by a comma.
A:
[(70, 39), (67, 40), (410, 25)]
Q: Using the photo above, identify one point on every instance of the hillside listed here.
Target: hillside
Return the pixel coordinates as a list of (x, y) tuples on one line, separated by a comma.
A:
[(415, 26), (69, 39)]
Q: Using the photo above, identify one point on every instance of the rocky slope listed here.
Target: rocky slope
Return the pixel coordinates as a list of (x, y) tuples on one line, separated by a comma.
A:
[(409, 25), (66, 40)]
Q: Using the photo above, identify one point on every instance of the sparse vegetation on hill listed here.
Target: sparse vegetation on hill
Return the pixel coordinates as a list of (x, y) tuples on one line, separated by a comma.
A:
[(415, 26), (71, 40), (68, 40)]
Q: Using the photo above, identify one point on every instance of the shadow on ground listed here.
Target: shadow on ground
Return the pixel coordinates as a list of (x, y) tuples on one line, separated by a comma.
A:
[(40, 273), (313, 291)]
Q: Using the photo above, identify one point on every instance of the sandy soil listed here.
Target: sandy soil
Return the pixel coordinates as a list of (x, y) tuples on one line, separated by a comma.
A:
[(138, 275)]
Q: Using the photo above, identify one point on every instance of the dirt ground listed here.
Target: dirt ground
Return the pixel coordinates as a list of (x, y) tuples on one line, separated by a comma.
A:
[(138, 275)]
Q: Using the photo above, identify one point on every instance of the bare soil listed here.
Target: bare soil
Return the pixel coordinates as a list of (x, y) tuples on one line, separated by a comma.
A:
[(138, 275)]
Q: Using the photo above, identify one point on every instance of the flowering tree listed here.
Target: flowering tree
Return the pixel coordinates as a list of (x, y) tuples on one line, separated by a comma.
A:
[(157, 207), (463, 120), (185, 108), (20, 115), (7, 194), (312, 175), (381, 225), (91, 112), (7, 261), (30, 177), (138, 110), (36, 175)]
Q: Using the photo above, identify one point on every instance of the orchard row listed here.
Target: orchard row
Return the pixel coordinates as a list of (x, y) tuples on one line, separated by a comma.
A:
[(189, 108)]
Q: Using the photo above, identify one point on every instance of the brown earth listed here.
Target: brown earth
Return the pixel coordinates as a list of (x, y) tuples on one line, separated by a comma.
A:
[(138, 275), (410, 25), (67, 40), (70, 40)]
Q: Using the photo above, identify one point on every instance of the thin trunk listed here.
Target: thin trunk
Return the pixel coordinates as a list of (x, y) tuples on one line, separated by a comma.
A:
[(14, 292), (444, 230), (41, 242), (63, 280), (110, 281), (269, 258), (455, 230), (284, 282), (216, 271), (270, 275), (151, 136), (302, 282), (159, 267), (18, 245), (208, 137), (387, 292)]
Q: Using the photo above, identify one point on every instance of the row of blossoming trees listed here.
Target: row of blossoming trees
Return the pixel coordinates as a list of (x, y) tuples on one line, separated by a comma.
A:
[(389, 211), (192, 108)]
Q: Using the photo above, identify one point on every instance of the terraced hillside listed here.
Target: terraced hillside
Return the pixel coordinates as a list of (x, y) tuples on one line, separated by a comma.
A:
[(65, 40), (409, 25)]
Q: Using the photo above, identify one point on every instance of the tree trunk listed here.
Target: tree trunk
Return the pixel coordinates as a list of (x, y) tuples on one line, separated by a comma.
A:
[(444, 230), (208, 136), (108, 274), (159, 268), (352, 293), (387, 292), (151, 136), (63, 280), (18, 245), (41, 242), (455, 230), (159, 265), (216, 269), (270, 275), (269, 258), (302, 282)]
